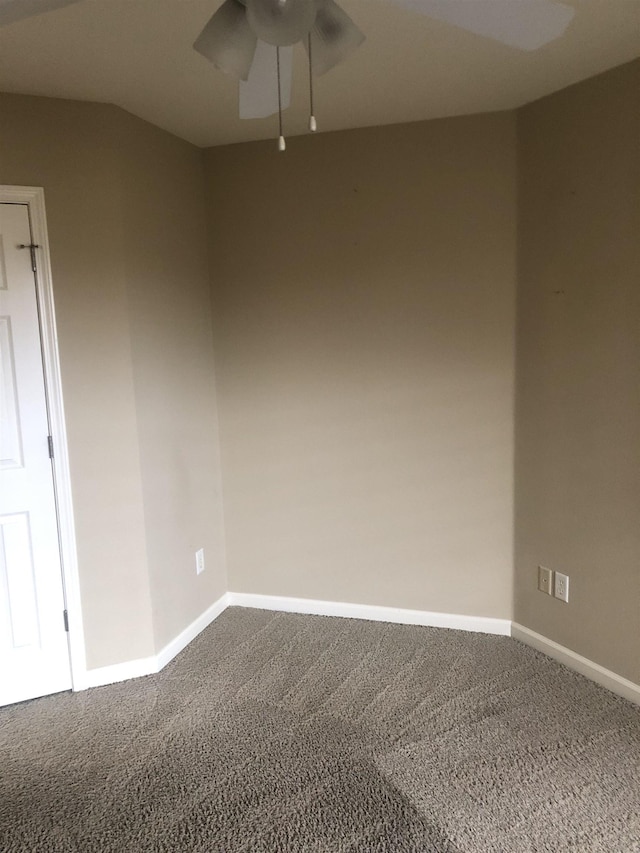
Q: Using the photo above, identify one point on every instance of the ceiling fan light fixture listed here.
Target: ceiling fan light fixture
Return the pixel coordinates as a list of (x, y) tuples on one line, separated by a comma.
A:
[(333, 37), (228, 41), (281, 22)]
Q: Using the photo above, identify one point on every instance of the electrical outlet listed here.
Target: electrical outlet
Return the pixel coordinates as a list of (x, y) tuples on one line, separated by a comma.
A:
[(200, 561), (561, 587), (545, 580)]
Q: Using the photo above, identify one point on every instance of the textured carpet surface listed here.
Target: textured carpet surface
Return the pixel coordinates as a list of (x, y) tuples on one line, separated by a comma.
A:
[(280, 732)]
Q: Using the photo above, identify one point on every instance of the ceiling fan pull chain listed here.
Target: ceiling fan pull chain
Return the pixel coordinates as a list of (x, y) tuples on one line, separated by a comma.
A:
[(281, 140), (312, 119)]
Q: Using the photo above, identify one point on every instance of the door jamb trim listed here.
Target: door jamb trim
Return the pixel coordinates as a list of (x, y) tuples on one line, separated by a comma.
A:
[(33, 197)]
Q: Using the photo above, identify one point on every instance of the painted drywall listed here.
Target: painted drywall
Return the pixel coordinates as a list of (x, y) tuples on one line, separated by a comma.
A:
[(363, 287), (578, 373), (364, 298), (132, 310), (173, 371), (67, 148)]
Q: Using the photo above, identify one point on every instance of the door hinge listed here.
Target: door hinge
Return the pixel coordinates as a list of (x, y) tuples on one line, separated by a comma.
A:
[(50, 443), (32, 248), (66, 620)]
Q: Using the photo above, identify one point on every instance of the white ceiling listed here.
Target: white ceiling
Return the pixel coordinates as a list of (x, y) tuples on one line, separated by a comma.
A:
[(138, 54)]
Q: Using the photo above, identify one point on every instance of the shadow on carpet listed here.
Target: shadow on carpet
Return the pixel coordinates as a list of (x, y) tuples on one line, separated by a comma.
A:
[(280, 732)]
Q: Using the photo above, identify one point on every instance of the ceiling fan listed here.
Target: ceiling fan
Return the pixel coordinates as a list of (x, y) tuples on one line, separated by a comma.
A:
[(252, 40), (240, 37)]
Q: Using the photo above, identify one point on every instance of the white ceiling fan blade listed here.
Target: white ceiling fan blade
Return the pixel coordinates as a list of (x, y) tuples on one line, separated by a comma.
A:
[(259, 95), (525, 24), (333, 37), (228, 41), (16, 10)]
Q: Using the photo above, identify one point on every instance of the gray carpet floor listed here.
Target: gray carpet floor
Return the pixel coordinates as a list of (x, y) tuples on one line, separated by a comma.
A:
[(280, 732)]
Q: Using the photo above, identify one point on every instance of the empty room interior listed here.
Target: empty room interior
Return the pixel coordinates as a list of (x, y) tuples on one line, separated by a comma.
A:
[(346, 476)]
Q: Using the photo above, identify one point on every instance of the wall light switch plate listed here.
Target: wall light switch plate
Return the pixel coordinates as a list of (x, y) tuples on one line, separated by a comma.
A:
[(545, 580), (200, 561), (561, 587)]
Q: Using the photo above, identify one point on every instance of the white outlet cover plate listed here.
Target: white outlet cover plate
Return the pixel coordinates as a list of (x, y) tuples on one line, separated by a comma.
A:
[(545, 580), (561, 587), (200, 561)]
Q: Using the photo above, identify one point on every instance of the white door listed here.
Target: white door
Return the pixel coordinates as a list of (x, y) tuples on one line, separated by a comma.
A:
[(34, 656)]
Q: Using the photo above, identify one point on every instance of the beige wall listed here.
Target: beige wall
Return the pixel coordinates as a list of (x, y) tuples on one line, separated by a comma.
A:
[(578, 377), (68, 149), (118, 327), (364, 287), (363, 290), (173, 371)]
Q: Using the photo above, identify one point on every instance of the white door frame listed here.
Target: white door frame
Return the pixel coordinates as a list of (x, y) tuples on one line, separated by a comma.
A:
[(34, 198)]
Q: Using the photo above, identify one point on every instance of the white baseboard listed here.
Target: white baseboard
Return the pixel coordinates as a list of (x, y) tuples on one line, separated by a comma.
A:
[(374, 613), (116, 672), (605, 677), (480, 624), (148, 666), (191, 632)]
